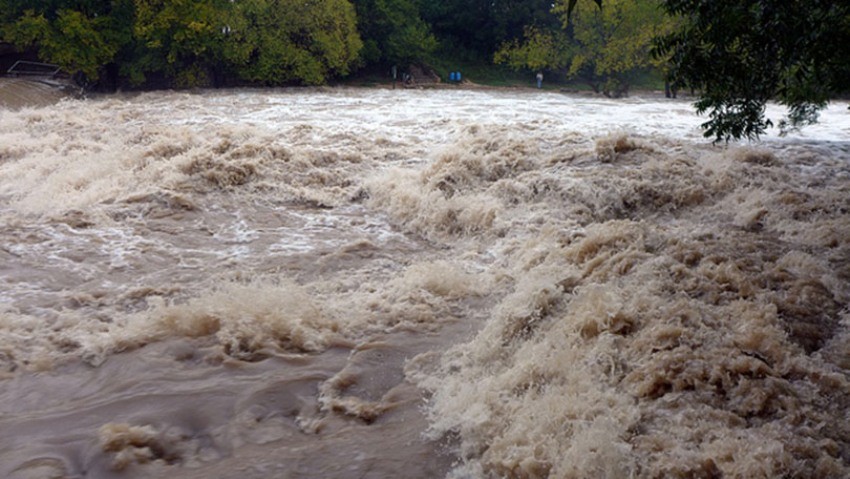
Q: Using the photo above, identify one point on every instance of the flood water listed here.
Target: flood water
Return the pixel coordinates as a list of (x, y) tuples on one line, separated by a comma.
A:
[(17, 93), (354, 283)]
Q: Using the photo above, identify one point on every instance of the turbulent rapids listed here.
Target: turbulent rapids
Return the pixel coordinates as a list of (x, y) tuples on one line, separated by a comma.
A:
[(374, 283)]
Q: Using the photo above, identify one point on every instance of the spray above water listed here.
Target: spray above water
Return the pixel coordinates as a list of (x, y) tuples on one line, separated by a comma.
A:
[(241, 282)]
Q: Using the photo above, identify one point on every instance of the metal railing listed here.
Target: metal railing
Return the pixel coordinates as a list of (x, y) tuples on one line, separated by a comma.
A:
[(27, 68)]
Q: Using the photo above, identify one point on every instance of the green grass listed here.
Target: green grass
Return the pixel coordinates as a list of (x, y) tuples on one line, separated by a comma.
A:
[(480, 72), (366, 77), (648, 80), (489, 74)]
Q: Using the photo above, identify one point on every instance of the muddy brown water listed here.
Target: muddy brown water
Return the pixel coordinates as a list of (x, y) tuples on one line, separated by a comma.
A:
[(365, 283), (17, 93)]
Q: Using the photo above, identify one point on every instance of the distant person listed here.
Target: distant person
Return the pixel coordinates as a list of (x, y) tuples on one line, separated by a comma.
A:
[(539, 79), (670, 89)]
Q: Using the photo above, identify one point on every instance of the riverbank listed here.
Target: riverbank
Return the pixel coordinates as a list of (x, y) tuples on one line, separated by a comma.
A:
[(20, 92), (485, 76)]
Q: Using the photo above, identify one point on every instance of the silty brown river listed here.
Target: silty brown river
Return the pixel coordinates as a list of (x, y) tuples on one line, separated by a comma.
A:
[(373, 283)]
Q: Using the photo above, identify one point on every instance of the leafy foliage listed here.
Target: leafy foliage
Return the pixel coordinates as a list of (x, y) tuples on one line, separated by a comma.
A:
[(78, 36), (477, 27), (190, 41), (393, 31), (740, 54), (614, 42), (264, 41), (571, 5), (179, 36), (603, 47), (540, 49)]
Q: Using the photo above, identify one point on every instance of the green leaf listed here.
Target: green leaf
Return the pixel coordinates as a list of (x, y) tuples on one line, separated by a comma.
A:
[(572, 5)]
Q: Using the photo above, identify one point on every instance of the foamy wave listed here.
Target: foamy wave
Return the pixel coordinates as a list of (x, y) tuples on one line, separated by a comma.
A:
[(247, 321), (696, 337), (57, 161)]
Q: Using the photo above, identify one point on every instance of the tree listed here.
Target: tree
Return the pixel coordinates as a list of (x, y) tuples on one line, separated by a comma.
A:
[(539, 49), (80, 37), (511, 19), (603, 47), (271, 42), (393, 31), (189, 42), (298, 41), (461, 25), (179, 38), (571, 5), (739, 54), (476, 28)]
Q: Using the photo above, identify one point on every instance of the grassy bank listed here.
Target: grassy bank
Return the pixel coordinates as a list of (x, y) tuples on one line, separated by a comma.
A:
[(488, 74)]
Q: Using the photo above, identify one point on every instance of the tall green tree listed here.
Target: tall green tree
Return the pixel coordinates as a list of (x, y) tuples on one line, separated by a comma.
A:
[(539, 49), (512, 17), (297, 41), (739, 54), (79, 36), (270, 42), (460, 24), (179, 38), (393, 31), (603, 47), (189, 42), (478, 27)]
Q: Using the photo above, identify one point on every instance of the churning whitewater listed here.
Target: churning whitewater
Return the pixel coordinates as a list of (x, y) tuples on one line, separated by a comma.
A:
[(375, 283)]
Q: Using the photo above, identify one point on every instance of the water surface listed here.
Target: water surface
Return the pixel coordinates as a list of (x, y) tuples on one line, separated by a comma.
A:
[(418, 283)]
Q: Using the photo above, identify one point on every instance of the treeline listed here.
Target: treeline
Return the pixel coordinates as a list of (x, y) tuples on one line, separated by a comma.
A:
[(188, 42), (736, 54), (185, 43)]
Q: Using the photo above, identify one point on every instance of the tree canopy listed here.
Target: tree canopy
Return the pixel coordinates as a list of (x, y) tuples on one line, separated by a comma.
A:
[(393, 31), (739, 54), (78, 36), (293, 40), (604, 47), (190, 41)]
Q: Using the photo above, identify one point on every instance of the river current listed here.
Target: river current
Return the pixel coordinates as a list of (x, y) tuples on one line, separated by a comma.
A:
[(379, 283)]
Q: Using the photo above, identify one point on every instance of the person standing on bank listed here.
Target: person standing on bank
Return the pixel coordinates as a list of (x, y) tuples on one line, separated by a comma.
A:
[(539, 79)]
